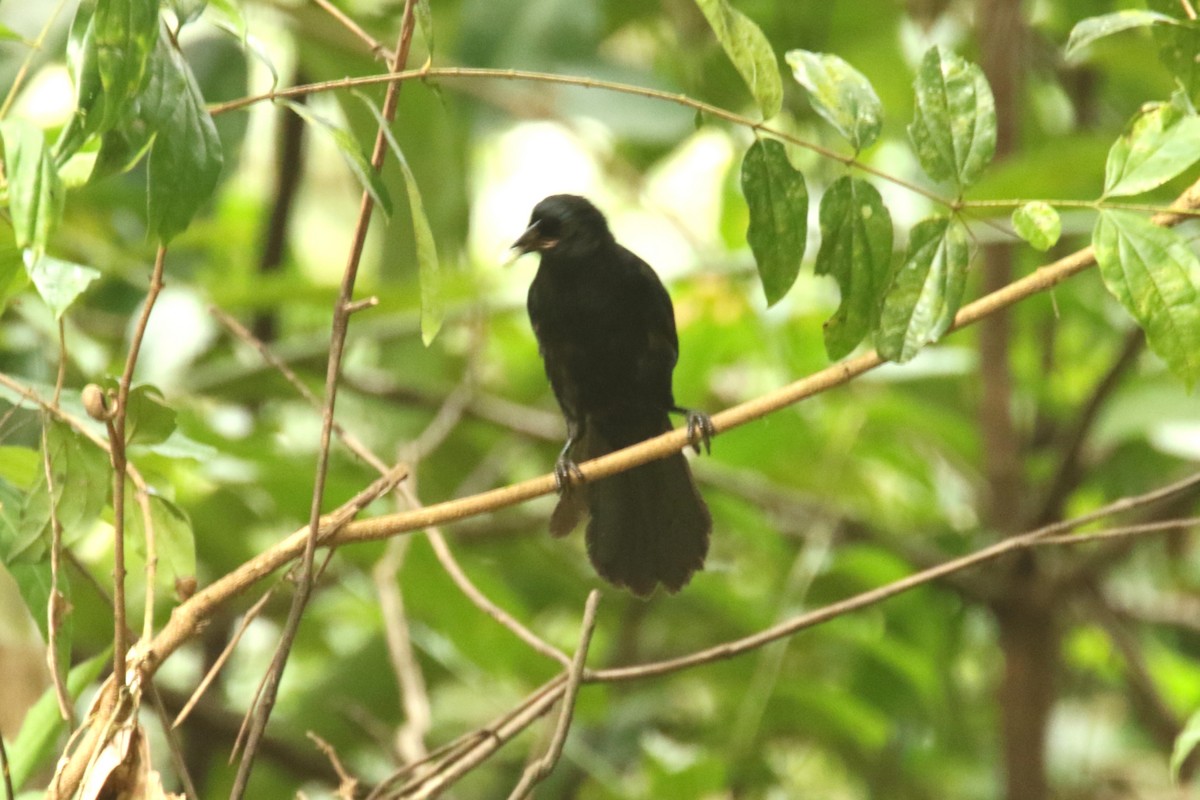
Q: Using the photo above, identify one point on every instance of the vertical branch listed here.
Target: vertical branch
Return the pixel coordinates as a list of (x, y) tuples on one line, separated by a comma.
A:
[(116, 435), (341, 319), (55, 609), (542, 767)]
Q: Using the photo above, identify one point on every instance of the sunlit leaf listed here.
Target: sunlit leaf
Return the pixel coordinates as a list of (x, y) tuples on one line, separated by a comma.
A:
[(186, 158), (750, 52), (1185, 744), (778, 203), (856, 249), (1156, 276), (352, 152), (174, 541), (428, 266), (953, 131), (839, 93), (83, 60), (59, 282), (80, 476), (927, 290), (125, 34), (188, 10), (1037, 223), (1162, 141), (1089, 30), (149, 420), (36, 742), (35, 192), (1178, 45)]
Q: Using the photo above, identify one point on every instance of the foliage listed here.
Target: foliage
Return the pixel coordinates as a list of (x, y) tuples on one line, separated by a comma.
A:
[(676, 119)]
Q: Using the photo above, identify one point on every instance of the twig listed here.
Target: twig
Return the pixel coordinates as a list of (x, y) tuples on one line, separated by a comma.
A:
[(464, 584), (538, 771), (476, 73), (215, 669), (177, 759), (1066, 476), (341, 319), (1124, 532), (540, 701), (443, 422), (28, 60), (189, 616), (378, 48), (410, 738), (347, 783), (117, 443)]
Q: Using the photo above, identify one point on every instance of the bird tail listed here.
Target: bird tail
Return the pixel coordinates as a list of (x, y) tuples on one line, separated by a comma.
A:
[(649, 525)]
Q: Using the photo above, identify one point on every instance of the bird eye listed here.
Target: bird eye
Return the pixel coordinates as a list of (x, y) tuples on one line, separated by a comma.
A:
[(549, 227)]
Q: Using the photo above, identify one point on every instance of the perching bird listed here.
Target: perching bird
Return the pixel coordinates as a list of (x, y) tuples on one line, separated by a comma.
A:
[(606, 331)]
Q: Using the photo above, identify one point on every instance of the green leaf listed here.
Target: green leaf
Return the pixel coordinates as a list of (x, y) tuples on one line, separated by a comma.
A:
[(424, 15), (83, 59), (125, 33), (750, 52), (778, 202), (1156, 276), (927, 289), (841, 94), (954, 126), (856, 249), (81, 477), (1037, 223), (353, 154), (1185, 743), (1089, 30), (34, 582), (433, 308), (20, 465), (7, 34), (37, 741), (188, 10), (1178, 45), (1161, 142), (35, 192), (186, 158), (59, 282), (174, 542), (149, 420)]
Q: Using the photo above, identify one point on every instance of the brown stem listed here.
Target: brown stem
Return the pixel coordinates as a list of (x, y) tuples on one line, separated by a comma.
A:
[(341, 320)]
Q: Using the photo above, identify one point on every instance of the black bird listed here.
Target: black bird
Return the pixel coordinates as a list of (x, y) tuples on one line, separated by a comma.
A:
[(606, 331)]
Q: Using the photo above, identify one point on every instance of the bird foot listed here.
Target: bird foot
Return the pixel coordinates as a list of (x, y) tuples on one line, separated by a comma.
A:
[(566, 474), (700, 430)]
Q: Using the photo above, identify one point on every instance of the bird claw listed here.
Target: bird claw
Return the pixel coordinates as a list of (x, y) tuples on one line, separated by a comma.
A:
[(700, 430), (566, 474)]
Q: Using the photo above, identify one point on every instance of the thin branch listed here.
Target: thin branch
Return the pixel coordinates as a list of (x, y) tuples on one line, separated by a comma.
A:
[(341, 320), (116, 429), (35, 46), (378, 49), (215, 669), (414, 697), (538, 703), (177, 759), (428, 72), (1124, 532), (538, 771), (190, 615), (1066, 476), (347, 783)]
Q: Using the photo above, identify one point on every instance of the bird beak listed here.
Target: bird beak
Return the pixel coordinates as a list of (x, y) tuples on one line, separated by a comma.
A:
[(529, 241)]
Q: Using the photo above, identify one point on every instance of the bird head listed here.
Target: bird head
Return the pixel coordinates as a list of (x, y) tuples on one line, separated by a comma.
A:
[(563, 224)]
